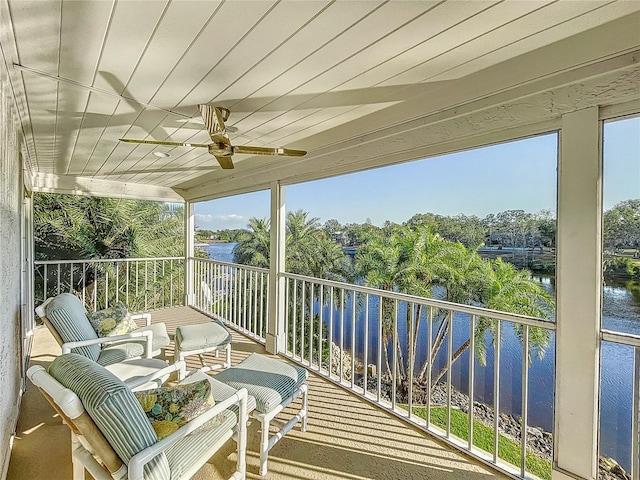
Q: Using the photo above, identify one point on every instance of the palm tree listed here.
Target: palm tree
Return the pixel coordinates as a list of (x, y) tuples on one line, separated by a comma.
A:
[(309, 251), (70, 227), (378, 264), (76, 227), (508, 290), (253, 245), (417, 261)]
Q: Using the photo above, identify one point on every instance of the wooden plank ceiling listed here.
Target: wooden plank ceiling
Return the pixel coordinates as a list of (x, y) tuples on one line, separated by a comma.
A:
[(291, 73)]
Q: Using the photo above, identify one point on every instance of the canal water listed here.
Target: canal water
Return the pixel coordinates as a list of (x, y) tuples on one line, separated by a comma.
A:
[(621, 312)]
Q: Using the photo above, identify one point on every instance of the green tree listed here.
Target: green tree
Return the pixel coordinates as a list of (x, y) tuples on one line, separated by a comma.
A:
[(622, 226), (419, 262), (506, 289), (309, 251), (469, 231), (69, 227), (253, 244), (77, 227)]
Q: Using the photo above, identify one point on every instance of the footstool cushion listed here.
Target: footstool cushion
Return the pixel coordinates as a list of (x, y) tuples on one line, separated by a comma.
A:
[(268, 380), (204, 335)]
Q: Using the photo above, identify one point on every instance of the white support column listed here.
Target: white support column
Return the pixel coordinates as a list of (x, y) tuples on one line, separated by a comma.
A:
[(27, 287), (189, 236), (579, 280), (276, 336)]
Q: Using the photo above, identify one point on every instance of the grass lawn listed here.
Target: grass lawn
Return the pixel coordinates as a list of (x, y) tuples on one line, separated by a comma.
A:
[(508, 450)]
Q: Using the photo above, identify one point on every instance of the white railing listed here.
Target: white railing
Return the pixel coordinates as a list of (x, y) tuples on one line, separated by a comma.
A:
[(367, 340), (335, 329), (628, 346), (140, 283), (236, 294)]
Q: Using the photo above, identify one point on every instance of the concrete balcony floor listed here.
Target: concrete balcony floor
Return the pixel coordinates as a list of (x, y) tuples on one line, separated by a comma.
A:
[(346, 437)]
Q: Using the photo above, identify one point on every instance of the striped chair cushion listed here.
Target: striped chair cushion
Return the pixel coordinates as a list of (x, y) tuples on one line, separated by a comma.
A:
[(269, 380), (69, 317), (119, 353), (192, 448), (113, 408)]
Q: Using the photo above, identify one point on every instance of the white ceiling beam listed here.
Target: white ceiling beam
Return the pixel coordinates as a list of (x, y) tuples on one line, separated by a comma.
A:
[(51, 183)]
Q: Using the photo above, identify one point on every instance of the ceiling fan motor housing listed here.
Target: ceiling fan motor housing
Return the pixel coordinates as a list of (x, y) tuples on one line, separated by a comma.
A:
[(220, 149)]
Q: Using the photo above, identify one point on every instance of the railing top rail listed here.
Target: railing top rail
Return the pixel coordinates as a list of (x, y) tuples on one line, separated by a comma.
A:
[(230, 264), (470, 309), (104, 260), (619, 337)]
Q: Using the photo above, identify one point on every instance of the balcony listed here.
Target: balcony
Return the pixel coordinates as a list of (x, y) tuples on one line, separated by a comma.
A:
[(353, 317), (347, 437)]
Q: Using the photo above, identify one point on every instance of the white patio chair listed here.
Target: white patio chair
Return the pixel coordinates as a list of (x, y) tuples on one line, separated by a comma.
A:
[(112, 438), (127, 356)]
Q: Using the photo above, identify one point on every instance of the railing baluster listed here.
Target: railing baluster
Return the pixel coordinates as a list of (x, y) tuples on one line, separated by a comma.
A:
[(262, 310), (95, 287), (353, 337), (449, 366), (256, 296), (410, 352), (163, 297), (341, 335), (320, 322), (394, 352), (380, 340), (46, 274), (117, 282), (146, 284), (635, 413), (430, 363), (137, 283), (365, 345), (244, 301), (472, 359), (155, 282), (106, 286), (58, 286), (303, 319), (71, 289), (287, 312), (237, 274), (496, 392), (311, 302), (247, 294), (295, 317), (84, 282), (524, 402), (218, 297), (331, 312), (127, 285)]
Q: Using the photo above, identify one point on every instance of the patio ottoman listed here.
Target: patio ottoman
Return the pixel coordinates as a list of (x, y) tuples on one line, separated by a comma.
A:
[(273, 384), (203, 338)]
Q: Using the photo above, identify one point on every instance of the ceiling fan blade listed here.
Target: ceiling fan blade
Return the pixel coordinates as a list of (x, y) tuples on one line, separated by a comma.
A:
[(225, 162), (249, 150), (170, 144), (214, 118)]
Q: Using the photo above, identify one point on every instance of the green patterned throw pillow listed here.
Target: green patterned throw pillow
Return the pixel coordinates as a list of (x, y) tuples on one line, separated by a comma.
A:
[(169, 408), (112, 321)]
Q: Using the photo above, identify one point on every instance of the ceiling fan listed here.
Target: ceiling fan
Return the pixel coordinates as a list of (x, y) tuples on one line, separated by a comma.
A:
[(221, 148)]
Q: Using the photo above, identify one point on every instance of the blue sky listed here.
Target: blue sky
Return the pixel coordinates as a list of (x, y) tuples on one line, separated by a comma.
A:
[(514, 175)]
